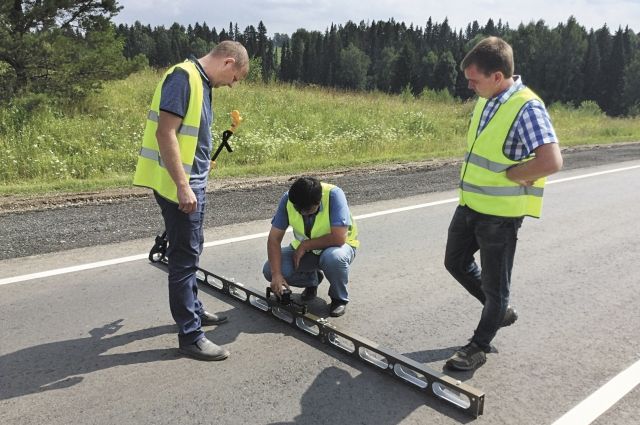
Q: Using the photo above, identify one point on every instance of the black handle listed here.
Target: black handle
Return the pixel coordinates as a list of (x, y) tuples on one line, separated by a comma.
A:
[(225, 144)]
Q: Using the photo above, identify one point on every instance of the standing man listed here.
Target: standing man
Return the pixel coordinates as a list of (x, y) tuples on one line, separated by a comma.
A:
[(326, 238), (511, 148), (174, 162)]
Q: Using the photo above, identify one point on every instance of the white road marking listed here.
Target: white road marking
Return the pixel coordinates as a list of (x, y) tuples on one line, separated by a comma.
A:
[(599, 173), (73, 269), (600, 401)]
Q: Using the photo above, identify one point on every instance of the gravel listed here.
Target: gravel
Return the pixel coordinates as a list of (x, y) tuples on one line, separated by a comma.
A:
[(44, 224)]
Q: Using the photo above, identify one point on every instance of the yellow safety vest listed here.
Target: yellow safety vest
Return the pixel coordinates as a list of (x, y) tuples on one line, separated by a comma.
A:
[(150, 170), (322, 223), (484, 186)]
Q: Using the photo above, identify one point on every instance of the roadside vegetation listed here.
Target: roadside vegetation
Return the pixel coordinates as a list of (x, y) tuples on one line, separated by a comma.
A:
[(93, 144), (75, 88)]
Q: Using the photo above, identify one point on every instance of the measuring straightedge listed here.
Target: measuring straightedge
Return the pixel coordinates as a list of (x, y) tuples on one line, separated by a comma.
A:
[(418, 376)]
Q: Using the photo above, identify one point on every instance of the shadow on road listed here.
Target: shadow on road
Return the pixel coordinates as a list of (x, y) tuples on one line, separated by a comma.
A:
[(335, 396), (56, 365)]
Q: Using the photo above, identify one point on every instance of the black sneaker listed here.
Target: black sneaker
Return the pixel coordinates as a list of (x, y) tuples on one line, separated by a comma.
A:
[(210, 319), (309, 293), (469, 357), (203, 349), (510, 317)]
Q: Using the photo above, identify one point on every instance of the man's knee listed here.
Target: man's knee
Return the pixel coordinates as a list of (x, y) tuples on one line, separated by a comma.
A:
[(452, 264), (266, 271), (334, 258)]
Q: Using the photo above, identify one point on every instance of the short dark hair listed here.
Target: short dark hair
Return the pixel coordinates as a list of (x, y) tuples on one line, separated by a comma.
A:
[(490, 55), (305, 192)]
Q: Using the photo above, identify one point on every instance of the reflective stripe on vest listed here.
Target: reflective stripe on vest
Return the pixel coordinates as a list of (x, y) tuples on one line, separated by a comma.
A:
[(155, 156), (322, 223), (183, 129), (150, 170), (484, 186)]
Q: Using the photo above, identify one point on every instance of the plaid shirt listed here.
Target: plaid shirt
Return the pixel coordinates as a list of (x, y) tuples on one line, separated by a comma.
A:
[(532, 127)]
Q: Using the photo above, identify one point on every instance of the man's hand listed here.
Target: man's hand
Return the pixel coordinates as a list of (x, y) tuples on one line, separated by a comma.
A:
[(524, 182), (547, 160), (297, 256), (187, 202), (278, 283)]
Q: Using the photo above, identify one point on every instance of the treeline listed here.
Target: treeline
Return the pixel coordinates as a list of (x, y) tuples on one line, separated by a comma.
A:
[(567, 64), (166, 46), (61, 51)]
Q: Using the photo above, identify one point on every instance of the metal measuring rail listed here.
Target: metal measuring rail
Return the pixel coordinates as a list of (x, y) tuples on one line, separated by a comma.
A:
[(410, 372)]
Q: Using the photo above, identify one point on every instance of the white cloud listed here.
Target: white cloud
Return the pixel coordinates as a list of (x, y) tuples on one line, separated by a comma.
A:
[(285, 16)]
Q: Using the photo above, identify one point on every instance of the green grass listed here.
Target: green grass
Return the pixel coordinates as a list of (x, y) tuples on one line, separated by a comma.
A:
[(286, 130)]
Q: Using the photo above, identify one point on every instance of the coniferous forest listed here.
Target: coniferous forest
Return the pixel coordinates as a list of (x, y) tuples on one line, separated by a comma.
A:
[(568, 64), (64, 51)]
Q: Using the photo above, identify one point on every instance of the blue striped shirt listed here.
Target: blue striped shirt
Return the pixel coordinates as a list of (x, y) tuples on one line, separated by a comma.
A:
[(532, 127)]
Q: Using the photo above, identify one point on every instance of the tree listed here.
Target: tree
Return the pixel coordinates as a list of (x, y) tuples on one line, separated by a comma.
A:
[(249, 40), (428, 70), (297, 55), (612, 102), (268, 64), (261, 50), (445, 73), (591, 70), (565, 77), (490, 28), (163, 56), (631, 95), (383, 70), (354, 64), (46, 43), (405, 70)]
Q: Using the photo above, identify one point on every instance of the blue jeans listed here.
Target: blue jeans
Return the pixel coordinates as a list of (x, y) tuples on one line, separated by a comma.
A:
[(185, 236), (496, 238), (333, 261)]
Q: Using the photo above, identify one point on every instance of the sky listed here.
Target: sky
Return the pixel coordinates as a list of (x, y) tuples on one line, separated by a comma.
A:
[(286, 16)]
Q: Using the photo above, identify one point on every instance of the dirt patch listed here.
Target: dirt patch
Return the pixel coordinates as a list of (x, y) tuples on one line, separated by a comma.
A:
[(19, 203)]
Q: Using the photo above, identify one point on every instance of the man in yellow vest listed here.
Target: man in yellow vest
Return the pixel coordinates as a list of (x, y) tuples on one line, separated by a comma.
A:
[(174, 162), (325, 240), (511, 148)]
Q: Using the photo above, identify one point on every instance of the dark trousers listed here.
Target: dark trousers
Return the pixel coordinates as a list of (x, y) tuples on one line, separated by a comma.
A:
[(495, 238), (185, 236)]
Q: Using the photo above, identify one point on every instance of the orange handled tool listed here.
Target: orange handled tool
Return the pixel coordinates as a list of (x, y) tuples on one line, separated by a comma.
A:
[(236, 119)]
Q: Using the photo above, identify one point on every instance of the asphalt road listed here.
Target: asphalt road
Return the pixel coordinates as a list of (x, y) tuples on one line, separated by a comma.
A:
[(56, 224), (98, 346)]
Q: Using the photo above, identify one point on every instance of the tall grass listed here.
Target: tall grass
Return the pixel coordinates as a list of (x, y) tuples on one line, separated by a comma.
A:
[(286, 129)]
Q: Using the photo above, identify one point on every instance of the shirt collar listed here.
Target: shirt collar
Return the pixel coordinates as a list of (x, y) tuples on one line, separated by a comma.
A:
[(505, 95), (200, 70)]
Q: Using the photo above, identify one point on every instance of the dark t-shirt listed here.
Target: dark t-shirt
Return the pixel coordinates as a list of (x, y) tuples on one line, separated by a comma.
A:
[(175, 100)]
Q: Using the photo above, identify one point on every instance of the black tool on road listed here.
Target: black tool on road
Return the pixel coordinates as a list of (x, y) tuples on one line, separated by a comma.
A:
[(285, 300), (159, 249)]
